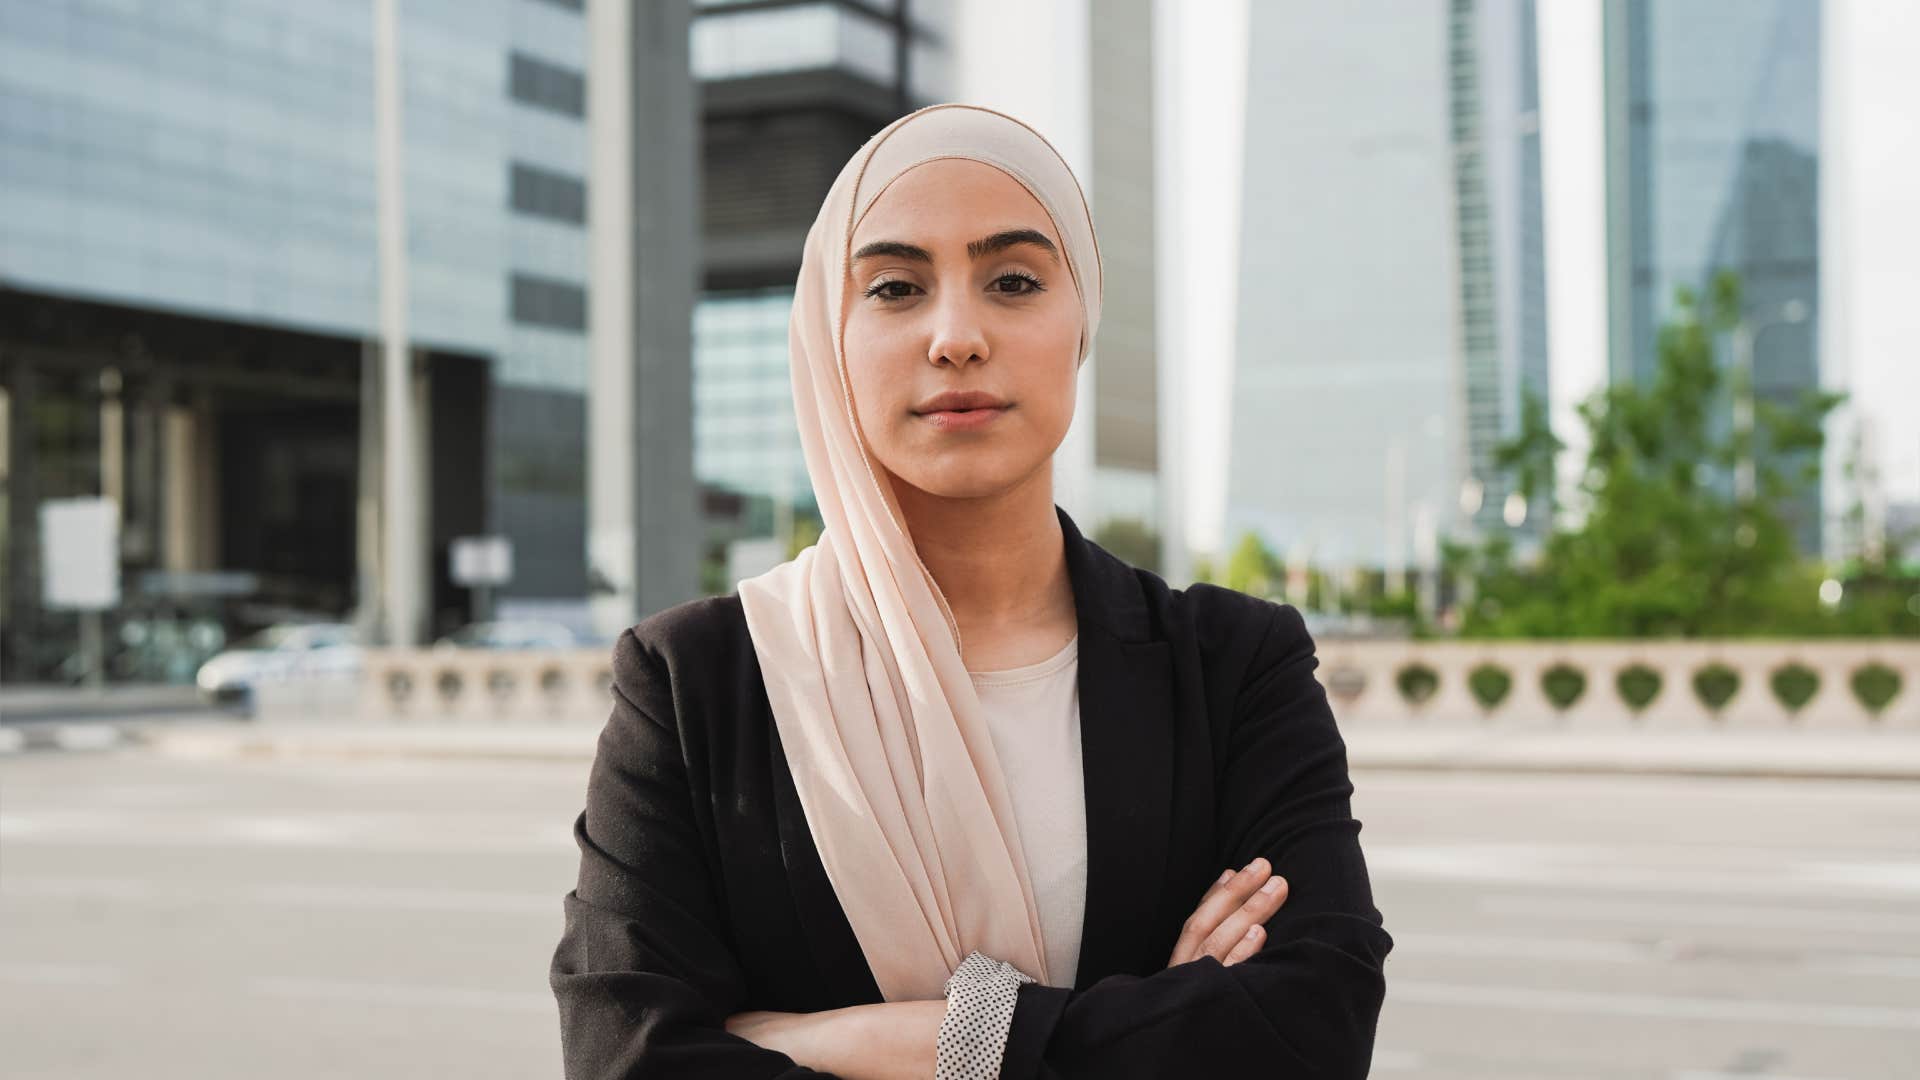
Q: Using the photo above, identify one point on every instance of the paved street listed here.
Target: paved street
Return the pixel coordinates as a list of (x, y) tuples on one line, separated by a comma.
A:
[(306, 918)]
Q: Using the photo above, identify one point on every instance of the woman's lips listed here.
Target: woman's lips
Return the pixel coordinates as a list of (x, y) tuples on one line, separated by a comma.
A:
[(967, 420)]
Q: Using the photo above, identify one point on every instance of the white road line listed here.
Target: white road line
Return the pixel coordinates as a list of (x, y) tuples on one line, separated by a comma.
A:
[(320, 895), (1587, 950), (62, 974), (87, 736), (1843, 920), (1708, 1074), (11, 740), (1607, 870), (1397, 1060), (390, 832), (372, 993), (1654, 1006)]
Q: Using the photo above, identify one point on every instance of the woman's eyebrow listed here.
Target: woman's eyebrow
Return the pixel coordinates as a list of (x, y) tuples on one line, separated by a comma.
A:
[(987, 245), (1007, 238)]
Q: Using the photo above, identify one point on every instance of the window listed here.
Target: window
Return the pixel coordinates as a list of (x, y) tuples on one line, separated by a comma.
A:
[(545, 193), (541, 301), (547, 86)]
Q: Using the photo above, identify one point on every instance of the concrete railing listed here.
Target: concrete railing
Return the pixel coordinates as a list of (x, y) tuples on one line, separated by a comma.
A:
[(430, 686), (557, 686), (1690, 685)]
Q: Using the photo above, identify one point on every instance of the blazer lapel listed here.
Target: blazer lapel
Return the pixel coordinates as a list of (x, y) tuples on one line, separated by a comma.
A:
[(1127, 751)]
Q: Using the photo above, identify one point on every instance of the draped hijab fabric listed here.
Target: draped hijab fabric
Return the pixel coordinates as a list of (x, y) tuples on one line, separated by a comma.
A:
[(890, 752)]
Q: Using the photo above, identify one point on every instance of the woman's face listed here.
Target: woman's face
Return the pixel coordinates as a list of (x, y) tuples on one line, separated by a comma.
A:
[(928, 314)]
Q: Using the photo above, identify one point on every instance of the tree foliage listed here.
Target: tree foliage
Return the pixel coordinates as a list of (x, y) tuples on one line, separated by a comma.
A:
[(1666, 547)]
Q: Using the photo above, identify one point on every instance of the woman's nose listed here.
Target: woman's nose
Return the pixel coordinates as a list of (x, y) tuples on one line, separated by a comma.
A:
[(958, 335)]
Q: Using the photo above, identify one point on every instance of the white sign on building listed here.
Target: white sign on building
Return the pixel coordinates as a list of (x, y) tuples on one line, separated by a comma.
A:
[(80, 553)]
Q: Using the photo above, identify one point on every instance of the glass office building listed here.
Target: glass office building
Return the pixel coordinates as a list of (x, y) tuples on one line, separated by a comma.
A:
[(1392, 277), (1713, 159), (789, 92), (188, 293)]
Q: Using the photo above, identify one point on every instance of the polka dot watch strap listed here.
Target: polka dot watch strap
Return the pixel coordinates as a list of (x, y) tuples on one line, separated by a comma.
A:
[(981, 995)]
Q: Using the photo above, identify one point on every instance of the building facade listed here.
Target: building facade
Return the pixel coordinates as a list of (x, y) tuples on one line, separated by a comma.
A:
[(1392, 278), (188, 274), (1713, 164), (789, 92)]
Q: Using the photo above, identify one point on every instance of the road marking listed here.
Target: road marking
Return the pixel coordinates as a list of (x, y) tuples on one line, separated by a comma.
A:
[(1709, 1074), (1656, 1006), (1844, 920), (1397, 1060), (321, 895), (1611, 869), (349, 832), (63, 974), (1588, 950), (371, 993)]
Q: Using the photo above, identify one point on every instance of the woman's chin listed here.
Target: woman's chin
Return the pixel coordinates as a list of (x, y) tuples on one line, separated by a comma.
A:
[(964, 480)]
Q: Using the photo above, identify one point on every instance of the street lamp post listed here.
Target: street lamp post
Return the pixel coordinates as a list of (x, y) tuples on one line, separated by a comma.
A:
[(1745, 334)]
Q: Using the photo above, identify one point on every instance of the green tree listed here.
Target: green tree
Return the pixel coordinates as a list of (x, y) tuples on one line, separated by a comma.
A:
[(1664, 551), (1132, 540), (1252, 568), (806, 533), (1530, 455)]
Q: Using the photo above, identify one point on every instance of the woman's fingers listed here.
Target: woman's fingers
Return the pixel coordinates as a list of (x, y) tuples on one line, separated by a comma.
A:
[(1231, 934), (1248, 944), (1222, 903)]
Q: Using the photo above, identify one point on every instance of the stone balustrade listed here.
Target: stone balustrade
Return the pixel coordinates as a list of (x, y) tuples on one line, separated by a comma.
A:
[(1676, 685), (1681, 685)]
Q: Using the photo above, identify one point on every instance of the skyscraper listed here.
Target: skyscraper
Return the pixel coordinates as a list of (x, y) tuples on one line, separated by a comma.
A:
[(1713, 163), (1392, 282), (790, 90), (1085, 76), (189, 293)]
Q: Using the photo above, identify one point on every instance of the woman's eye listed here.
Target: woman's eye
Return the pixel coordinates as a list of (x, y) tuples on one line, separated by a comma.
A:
[(1024, 284), (883, 290)]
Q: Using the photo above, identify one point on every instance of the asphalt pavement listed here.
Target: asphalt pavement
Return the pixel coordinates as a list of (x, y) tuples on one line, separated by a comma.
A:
[(240, 916)]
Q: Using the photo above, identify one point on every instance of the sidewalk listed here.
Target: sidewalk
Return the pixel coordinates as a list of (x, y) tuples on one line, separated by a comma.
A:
[(34, 703), (1890, 755)]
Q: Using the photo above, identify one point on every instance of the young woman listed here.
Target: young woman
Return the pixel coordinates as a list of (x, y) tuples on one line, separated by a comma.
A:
[(957, 792)]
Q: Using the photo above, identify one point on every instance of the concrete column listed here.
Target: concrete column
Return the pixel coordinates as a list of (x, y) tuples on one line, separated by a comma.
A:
[(419, 557), (369, 598), (643, 516), (190, 510), (401, 493)]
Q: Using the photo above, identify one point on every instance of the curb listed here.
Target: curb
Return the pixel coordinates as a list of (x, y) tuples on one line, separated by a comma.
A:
[(346, 742), (49, 736), (1891, 755)]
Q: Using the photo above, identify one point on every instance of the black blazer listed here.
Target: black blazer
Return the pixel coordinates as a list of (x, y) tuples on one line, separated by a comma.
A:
[(1206, 740)]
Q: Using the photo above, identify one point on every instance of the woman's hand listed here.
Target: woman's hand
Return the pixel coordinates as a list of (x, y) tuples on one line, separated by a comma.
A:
[(1229, 924)]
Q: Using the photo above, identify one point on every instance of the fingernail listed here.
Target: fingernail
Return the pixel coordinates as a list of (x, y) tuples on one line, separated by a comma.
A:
[(1252, 932), (1273, 885), (1225, 875)]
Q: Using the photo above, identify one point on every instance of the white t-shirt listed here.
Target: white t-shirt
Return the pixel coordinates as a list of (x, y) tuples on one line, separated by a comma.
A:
[(1034, 715)]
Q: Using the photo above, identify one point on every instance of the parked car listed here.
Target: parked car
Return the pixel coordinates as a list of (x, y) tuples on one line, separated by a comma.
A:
[(510, 634), (281, 653)]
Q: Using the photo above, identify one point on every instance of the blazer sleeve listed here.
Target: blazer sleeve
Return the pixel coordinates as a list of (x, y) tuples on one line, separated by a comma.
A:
[(644, 972), (1305, 1005)]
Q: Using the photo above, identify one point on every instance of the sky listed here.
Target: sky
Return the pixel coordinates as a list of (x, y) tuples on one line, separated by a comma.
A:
[(1870, 244)]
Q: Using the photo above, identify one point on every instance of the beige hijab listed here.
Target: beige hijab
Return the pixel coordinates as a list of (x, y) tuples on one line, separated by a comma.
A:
[(889, 749)]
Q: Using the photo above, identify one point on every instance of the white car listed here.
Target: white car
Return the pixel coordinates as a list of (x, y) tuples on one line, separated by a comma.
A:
[(281, 653)]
